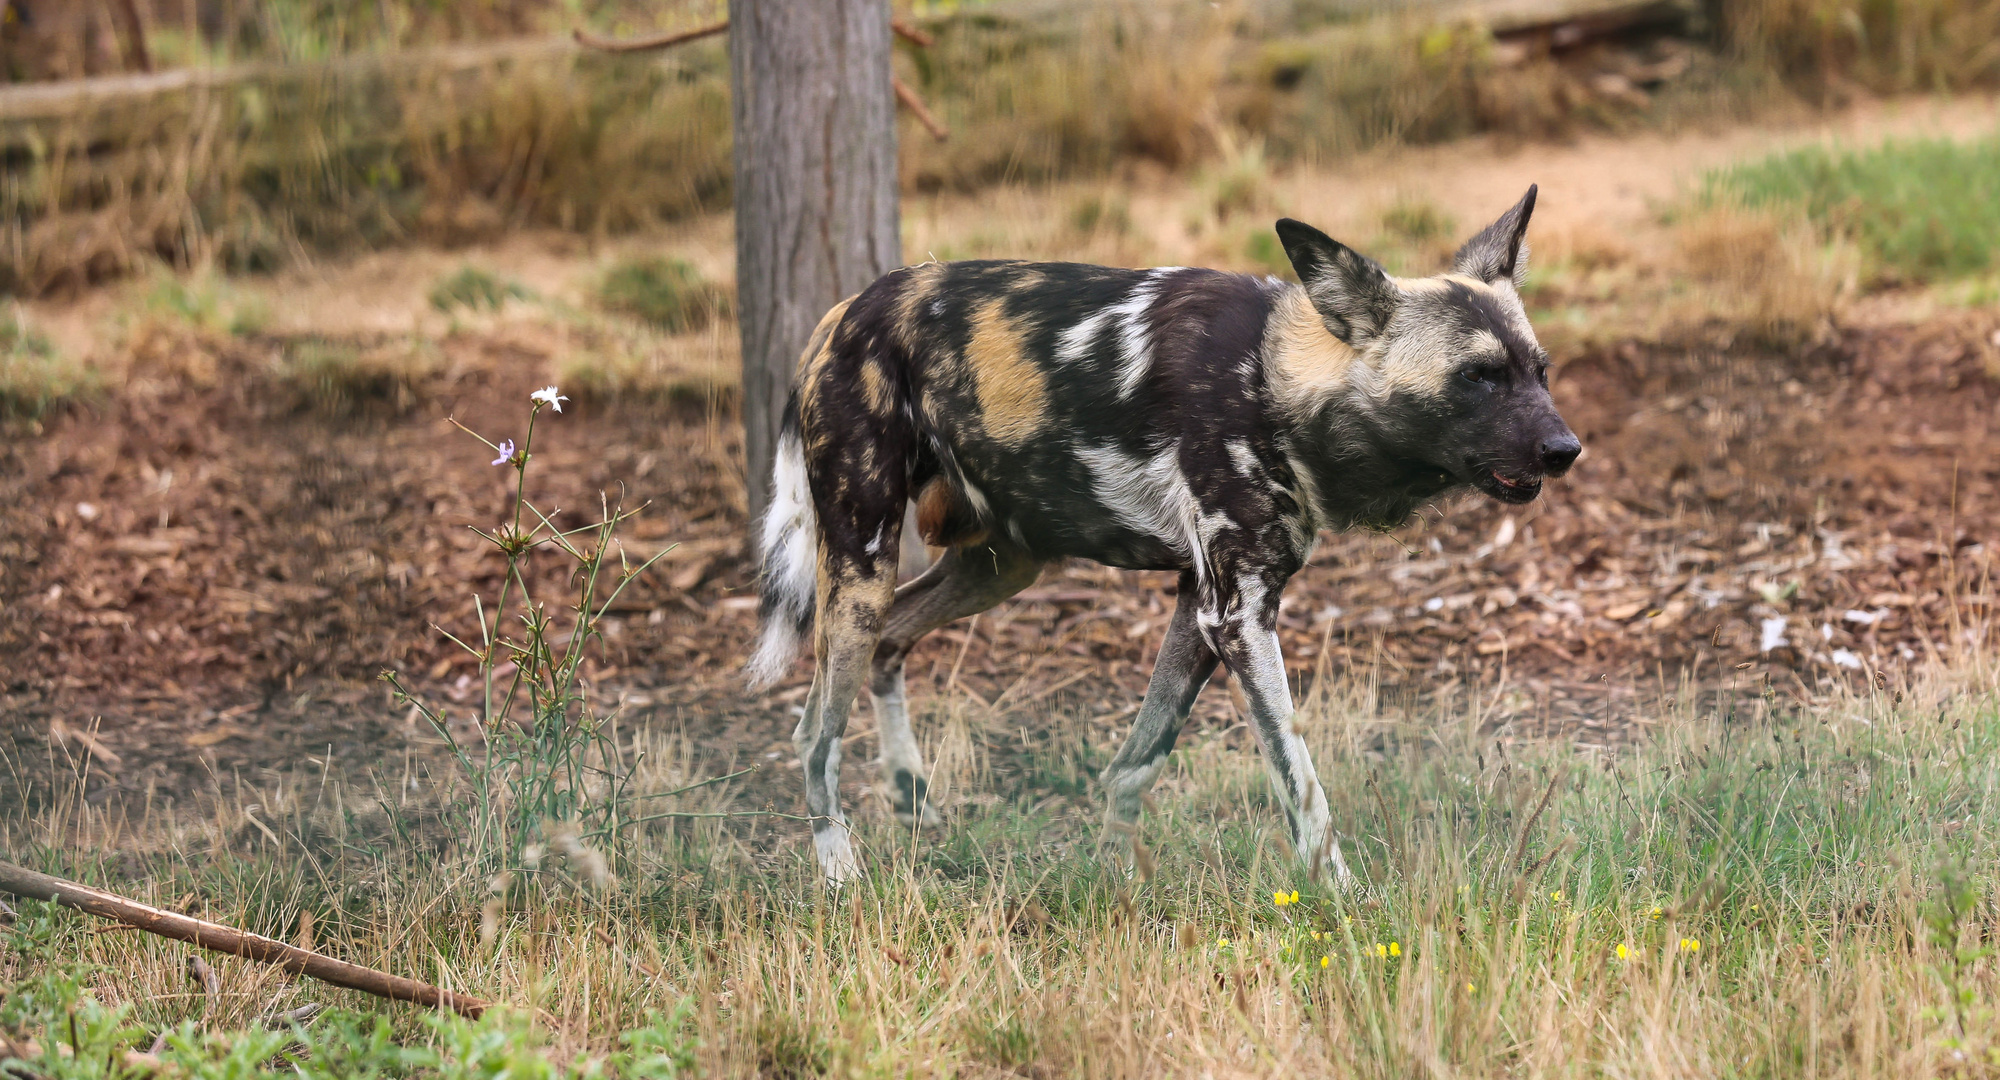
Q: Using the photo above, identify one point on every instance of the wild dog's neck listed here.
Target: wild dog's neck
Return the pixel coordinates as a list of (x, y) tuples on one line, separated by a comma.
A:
[(1321, 392)]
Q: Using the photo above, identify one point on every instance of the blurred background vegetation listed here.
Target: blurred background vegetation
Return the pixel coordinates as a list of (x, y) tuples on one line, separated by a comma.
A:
[(248, 132)]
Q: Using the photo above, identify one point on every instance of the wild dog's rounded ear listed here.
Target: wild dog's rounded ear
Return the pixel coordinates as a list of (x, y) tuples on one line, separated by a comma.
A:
[(1352, 294), (1500, 251)]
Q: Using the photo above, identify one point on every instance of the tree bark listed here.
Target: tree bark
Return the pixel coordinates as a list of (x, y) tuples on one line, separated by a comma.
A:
[(815, 158)]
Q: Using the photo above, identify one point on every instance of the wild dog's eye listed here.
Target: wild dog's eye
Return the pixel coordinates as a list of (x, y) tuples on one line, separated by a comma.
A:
[(1484, 373)]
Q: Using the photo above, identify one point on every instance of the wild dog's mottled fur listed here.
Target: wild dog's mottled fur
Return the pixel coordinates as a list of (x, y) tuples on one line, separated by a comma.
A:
[(1169, 419)]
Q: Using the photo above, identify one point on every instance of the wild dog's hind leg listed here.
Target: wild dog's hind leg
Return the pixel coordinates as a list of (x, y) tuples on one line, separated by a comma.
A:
[(965, 581), (1240, 617), (1183, 668), (852, 604)]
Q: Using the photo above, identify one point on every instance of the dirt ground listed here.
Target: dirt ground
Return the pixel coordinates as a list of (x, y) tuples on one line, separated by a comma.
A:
[(209, 574), (214, 579)]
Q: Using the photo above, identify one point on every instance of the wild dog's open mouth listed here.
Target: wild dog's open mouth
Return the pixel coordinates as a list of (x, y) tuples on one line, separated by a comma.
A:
[(1512, 491)]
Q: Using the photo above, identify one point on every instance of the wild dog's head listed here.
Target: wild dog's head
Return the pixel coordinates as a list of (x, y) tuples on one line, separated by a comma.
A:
[(1443, 373)]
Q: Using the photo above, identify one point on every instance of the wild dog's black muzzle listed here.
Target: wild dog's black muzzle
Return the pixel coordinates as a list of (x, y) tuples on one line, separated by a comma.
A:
[(1559, 453)]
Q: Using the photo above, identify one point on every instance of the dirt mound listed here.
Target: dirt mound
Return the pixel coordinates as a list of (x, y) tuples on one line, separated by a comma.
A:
[(219, 570)]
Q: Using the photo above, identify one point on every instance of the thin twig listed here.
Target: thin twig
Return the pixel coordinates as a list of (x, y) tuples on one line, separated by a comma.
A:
[(699, 784), (1521, 845), (710, 814)]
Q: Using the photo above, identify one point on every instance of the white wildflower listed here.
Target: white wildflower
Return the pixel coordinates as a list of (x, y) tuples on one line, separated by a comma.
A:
[(550, 397)]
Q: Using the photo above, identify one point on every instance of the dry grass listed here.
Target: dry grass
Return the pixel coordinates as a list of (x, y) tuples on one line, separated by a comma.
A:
[(1771, 275), (332, 151), (1808, 846), (1833, 48)]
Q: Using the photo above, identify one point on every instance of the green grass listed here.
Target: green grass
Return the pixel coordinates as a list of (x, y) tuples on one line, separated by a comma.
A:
[(474, 289), (1920, 210), (1797, 888), (669, 293)]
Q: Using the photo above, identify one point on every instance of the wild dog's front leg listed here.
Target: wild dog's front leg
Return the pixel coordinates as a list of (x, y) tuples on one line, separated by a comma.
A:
[(1243, 627), (1182, 669)]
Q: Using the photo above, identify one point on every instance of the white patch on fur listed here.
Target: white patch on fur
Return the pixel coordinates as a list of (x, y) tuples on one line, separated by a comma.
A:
[(1135, 344), (1074, 343), (1148, 496), (976, 499), (1241, 454), (791, 560), (892, 726), (874, 547)]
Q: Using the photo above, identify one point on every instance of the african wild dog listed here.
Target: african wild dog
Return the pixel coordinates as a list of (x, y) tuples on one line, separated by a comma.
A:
[(1168, 419)]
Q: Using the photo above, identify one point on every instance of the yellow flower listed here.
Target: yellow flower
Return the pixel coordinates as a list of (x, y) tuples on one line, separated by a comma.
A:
[(1689, 944), (1294, 898), (1325, 960), (1623, 952), (1395, 948), (1222, 943), (1381, 950), (1470, 989), (1556, 895), (1315, 935), (1657, 913)]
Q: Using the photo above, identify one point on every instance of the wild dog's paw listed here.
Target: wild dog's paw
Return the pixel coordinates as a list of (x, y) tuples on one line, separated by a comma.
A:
[(837, 863), (909, 798)]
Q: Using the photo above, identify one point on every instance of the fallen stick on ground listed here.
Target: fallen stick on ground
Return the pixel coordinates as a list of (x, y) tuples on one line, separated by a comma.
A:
[(227, 939)]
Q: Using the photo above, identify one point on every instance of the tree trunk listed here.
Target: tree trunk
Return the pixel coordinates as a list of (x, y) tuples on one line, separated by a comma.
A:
[(815, 158)]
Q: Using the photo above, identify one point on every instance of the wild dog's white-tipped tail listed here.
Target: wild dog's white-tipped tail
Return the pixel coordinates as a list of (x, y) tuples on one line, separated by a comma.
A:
[(790, 566)]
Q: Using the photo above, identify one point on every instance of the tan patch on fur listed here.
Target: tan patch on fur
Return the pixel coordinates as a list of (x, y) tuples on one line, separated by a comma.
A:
[(876, 388), (1027, 279), (1309, 367), (1013, 393), (852, 606)]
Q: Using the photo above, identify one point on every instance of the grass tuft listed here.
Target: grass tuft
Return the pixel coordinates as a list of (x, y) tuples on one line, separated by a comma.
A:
[(340, 378), (35, 377), (474, 290), (669, 293)]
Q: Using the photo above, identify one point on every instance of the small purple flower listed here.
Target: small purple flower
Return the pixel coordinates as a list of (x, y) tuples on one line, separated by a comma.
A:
[(506, 452)]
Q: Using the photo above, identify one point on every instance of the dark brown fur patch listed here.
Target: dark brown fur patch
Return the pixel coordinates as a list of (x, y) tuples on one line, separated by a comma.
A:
[(942, 518)]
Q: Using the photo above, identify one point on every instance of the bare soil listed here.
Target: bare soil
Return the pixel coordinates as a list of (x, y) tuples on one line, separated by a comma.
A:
[(211, 576)]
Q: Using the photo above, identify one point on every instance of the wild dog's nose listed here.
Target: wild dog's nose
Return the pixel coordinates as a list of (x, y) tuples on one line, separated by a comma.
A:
[(1559, 452)]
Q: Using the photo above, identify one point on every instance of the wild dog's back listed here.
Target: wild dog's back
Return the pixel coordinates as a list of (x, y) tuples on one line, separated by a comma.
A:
[(1040, 391)]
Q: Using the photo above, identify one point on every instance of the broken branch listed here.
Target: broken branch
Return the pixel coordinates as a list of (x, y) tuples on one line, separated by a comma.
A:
[(915, 104), (227, 939), (658, 41), (902, 29)]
